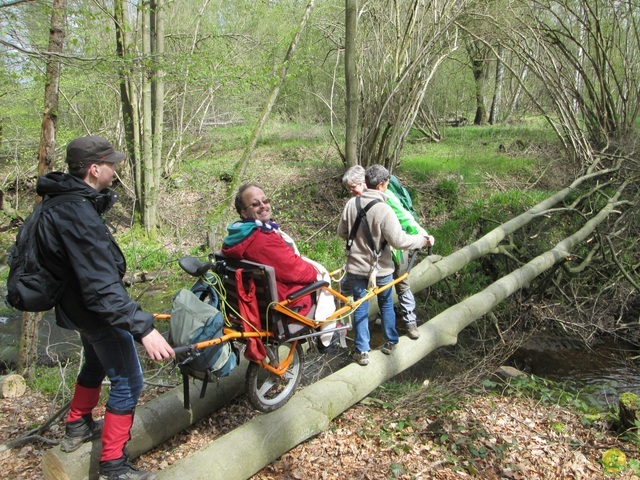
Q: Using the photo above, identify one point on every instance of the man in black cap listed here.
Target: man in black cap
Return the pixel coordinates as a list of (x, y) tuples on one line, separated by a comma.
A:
[(79, 250)]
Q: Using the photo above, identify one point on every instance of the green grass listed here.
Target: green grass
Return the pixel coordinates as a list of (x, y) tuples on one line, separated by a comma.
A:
[(469, 153), (326, 249), (47, 380), (142, 253)]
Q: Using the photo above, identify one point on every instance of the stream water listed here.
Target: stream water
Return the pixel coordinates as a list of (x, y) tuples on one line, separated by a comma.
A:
[(610, 367)]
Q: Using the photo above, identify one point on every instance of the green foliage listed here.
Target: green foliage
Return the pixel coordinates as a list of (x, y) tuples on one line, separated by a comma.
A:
[(47, 380), (141, 253)]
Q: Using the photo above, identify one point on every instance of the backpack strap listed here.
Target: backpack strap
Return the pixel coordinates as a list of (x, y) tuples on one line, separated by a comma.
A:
[(367, 231), (361, 218)]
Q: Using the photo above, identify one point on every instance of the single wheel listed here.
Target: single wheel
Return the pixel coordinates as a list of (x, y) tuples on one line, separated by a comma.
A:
[(268, 391)]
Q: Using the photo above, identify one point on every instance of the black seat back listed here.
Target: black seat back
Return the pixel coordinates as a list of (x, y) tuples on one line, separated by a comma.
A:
[(264, 278)]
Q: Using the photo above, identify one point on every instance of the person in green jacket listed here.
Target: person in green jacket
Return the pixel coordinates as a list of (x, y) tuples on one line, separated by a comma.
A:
[(354, 182)]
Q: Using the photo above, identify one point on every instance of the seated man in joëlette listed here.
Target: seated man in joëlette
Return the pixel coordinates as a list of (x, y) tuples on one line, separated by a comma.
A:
[(257, 238)]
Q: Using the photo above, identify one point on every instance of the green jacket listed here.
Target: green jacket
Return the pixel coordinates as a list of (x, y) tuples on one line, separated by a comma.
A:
[(407, 222)]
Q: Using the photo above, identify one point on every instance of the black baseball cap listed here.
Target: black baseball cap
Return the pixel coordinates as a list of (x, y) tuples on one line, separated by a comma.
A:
[(92, 149)]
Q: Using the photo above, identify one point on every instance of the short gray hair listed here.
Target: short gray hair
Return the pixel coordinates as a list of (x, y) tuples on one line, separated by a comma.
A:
[(376, 174), (354, 175)]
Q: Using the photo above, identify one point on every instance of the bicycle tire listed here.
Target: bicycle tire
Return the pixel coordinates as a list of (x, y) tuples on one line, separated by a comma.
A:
[(267, 391)]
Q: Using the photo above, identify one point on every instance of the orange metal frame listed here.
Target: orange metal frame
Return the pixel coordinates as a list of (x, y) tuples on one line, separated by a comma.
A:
[(281, 307)]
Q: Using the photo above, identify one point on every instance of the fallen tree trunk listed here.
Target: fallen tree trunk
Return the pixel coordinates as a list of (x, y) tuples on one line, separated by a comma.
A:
[(155, 422), (246, 450)]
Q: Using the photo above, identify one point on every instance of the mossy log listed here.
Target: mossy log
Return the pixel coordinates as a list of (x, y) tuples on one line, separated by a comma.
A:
[(629, 404)]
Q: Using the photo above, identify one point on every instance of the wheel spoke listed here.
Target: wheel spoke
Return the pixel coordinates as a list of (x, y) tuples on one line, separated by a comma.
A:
[(267, 386)]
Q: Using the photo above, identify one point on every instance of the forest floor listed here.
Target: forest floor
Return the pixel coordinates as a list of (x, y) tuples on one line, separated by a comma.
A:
[(496, 437)]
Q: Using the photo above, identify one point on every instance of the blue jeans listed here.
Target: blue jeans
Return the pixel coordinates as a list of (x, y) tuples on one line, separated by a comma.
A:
[(112, 352), (361, 315), (406, 300)]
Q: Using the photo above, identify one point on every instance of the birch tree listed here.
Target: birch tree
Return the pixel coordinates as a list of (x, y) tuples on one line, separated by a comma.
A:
[(141, 83)]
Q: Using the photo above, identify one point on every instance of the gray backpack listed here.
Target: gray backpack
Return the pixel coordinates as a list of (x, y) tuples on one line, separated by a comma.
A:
[(196, 318)]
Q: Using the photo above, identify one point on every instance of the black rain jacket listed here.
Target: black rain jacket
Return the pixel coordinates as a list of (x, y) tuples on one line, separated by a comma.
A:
[(78, 248)]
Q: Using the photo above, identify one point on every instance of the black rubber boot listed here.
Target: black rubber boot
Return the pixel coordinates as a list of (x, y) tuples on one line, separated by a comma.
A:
[(81, 431), (121, 469)]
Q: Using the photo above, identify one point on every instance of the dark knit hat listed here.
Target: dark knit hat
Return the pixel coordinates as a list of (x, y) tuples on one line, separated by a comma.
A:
[(92, 149)]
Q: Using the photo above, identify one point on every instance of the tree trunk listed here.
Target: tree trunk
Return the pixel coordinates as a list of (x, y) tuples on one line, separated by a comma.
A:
[(149, 187), (629, 407), (351, 83), (513, 105), (129, 98), (46, 155), (494, 111), (12, 386), (157, 104), (478, 67)]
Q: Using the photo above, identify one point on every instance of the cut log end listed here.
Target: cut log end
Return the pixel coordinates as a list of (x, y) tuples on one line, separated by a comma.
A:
[(12, 386)]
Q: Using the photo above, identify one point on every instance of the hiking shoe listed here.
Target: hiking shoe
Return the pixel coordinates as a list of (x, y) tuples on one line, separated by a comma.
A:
[(361, 358), (78, 432), (412, 331), (388, 347), (121, 469)]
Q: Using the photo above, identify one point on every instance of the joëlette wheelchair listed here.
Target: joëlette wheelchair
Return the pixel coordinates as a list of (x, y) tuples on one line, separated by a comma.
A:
[(272, 381)]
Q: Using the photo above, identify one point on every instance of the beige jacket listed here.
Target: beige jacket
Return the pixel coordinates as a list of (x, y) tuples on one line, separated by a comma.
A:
[(384, 224)]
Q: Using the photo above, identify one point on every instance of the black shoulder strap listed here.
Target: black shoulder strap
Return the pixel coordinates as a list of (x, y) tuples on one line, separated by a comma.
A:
[(48, 202), (362, 218)]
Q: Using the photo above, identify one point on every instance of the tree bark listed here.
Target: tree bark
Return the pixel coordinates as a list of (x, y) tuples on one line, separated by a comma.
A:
[(351, 83), (129, 97), (149, 187), (494, 111), (46, 154), (158, 17)]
